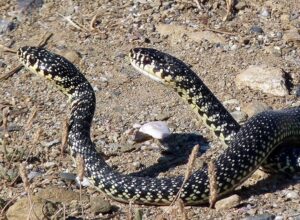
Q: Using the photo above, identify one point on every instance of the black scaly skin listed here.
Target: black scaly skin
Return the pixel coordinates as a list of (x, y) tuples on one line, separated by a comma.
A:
[(248, 149), (176, 74)]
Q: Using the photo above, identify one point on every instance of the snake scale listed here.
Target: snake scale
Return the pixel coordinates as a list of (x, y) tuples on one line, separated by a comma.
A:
[(249, 146)]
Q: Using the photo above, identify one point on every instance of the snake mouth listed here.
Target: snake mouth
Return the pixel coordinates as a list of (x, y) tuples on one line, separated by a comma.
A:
[(145, 64)]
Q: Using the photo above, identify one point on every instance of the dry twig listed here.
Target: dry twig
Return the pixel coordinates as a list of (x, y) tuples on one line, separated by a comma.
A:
[(80, 167), (229, 9), (64, 138), (5, 129), (29, 122), (213, 185), (189, 170)]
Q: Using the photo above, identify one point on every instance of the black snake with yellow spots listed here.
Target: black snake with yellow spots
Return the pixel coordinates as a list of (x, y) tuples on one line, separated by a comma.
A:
[(249, 147)]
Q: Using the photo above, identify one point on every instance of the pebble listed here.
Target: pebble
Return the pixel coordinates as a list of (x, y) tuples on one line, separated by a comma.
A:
[(260, 217), (27, 6), (264, 78), (6, 26), (156, 129), (292, 194), (278, 217), (72, 55), (50, 143), (240, 5), (85, 182), (67, 176), (99, 205), (34, 174), (228, 203), (256, 30), (255, 107), (19, 210), (292, 35), (265, 12), (239, 116)]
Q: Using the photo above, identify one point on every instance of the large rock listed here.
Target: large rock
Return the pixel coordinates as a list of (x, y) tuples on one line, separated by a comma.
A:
[(266, 79), (41, 209), (175, 33)]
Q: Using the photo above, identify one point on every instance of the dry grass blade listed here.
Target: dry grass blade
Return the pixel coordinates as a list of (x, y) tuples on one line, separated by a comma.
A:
[(229, 9), (93, 22), (213, 186), (80, 170), (181, 209), (30, 119), (44, 39), (189, 170), (24, 177), (7, 49), (10, 73), (198, 4), (64, 138), (5, 129), (73, 23)]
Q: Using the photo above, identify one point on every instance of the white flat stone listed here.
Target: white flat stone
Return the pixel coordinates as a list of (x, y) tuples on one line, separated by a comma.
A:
[(156, 129)]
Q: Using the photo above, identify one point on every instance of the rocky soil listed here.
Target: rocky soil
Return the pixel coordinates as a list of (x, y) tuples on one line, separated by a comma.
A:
[(251, 62)]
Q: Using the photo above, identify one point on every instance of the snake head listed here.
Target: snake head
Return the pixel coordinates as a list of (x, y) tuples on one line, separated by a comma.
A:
[(157, 65)]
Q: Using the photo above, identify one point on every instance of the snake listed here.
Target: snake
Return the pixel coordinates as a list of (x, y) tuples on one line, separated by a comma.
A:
[(249, 145)]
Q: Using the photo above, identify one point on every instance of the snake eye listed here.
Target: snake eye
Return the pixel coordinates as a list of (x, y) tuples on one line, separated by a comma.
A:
[(31, 60)]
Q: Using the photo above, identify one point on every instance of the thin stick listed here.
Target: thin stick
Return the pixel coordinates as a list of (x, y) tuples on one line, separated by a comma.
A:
[(220, 31), (213, 185), (5, 129), (64, 138), (93, 21), (198, 4), (229, 8), (81, 167), (73, 23), (188, 171), (28, 125), (7, 49)]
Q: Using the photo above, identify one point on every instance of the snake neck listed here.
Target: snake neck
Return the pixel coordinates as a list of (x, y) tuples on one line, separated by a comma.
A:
[(210, 110)]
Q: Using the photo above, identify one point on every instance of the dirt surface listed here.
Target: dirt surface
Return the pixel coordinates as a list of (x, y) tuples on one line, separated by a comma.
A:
[(125, 98)]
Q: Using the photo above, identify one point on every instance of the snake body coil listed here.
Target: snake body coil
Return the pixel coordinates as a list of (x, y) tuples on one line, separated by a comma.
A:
[(248, 148)]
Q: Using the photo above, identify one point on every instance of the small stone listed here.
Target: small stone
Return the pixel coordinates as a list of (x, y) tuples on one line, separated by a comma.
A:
[(21, 208), (156, 129), (6, 26), (278, 217), (277, 51), (67, 176), (228, 203), (50, 143), (137, 165), (266, 79), (85, 182), (265, 12), (255, 107), (292, 36), (240, 5), (260, 217), (292, 194), (34, 174), (256, 30), (72, 55), (239, 116), (234, 47), (99, 205)]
